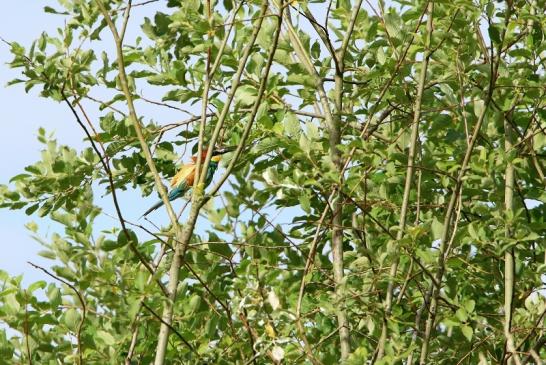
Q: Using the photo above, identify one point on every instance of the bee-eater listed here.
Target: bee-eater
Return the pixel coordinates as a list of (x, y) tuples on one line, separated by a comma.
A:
[(182, 182)]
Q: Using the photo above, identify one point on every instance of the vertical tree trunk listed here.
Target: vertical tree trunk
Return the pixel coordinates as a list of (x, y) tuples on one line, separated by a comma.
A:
[(511, 356), (407, 185), (337, 221)]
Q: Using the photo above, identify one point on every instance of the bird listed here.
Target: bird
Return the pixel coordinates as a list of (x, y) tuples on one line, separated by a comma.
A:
[(182, 182)]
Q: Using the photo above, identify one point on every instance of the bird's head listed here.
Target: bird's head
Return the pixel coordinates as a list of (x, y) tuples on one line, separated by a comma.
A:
[(216, 153)]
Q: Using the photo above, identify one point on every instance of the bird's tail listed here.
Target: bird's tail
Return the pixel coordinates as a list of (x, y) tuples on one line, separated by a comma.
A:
[(154, 207)]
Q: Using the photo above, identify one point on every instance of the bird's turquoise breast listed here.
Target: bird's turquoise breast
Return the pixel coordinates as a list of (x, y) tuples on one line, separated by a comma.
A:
[(213, 166)]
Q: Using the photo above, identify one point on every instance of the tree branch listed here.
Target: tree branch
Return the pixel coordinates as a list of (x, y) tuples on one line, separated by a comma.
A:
[(408, 183)]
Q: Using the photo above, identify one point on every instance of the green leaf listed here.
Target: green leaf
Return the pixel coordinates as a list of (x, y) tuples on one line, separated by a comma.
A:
[(392, 22), (106, 338), (195, 302), (315, 50), (301, 79), (291, 124), (54, 296), (479, 106), (490, 9), (228, 4), (221, 248), (270, 176), (468, 332), (494, 33), (123, 239), (32, 209), (472, 232), (381, 57), (461, 314), (19, 177), (305, 203), (11, 305), (49, 9), (521, 52), (140, 280), (109, 245), (37, 285), (246, 95), (305, 144), (47, 254), (469, 305), (72, 319), (437, 229)]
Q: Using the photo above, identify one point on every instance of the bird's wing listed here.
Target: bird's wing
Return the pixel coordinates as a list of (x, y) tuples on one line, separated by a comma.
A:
[(185, 174)]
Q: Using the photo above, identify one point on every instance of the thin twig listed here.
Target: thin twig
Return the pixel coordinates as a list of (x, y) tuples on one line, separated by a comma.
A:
[(137, 4), (82, 302), (126, 14)]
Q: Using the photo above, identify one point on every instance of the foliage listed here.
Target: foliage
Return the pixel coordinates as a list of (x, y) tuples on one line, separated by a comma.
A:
[(266, 244)]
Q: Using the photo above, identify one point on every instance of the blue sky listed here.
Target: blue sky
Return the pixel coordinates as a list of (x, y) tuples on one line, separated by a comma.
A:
[(22, 114)]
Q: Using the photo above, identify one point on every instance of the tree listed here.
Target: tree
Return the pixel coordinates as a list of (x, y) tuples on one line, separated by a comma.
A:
[(384, 204)]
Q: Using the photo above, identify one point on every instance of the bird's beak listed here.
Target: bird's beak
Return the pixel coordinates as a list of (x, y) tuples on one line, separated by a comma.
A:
[(221, 151)]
